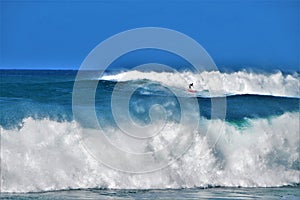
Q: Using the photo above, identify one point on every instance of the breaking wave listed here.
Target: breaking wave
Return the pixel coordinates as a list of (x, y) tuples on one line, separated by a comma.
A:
[(47, 155), (218, 83)]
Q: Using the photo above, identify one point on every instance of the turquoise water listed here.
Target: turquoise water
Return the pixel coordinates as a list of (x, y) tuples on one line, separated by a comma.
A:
[(255, 155), (287, 193)]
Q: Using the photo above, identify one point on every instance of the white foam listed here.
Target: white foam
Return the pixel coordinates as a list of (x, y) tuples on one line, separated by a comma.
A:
[(240, 82), (46, 155)]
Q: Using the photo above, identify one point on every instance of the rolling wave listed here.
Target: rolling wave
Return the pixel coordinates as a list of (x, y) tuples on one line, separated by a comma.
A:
[(46, 155), (215, 83)]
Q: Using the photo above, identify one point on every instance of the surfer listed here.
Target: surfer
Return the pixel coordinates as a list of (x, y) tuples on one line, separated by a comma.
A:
[(191, 86)]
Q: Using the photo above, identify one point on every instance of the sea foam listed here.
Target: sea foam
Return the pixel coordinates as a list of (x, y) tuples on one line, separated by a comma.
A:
[(47, 155), (236, 83)]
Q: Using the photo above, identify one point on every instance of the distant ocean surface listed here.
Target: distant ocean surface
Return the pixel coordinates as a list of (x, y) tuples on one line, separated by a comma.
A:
[(256, 156)]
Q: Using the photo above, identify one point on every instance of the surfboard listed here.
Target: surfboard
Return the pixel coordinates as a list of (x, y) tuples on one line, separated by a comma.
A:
[(191, 90)]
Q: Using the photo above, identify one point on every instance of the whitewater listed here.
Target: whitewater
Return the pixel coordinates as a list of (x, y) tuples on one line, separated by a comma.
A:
[(45, 155), (257, 145), (222, 83)]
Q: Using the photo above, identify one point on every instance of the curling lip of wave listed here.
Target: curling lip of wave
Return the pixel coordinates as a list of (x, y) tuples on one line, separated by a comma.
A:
[(45, 155), (220, 84)]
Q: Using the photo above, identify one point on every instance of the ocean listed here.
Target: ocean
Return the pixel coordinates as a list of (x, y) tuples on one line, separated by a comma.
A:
[(235, 137)]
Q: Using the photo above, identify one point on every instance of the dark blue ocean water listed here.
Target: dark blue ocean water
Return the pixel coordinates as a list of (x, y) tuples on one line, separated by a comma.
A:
[(259, 145), (48, 94)]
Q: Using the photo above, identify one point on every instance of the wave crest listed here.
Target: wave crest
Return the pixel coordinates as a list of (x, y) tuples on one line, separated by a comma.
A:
[(47, 155), (236, 83)]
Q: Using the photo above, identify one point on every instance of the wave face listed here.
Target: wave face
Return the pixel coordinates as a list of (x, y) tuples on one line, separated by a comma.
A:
[(47, 155), (236, 83)]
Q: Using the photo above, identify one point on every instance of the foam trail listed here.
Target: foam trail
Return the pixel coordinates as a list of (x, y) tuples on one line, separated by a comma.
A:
[(47, 155), (241, 82)]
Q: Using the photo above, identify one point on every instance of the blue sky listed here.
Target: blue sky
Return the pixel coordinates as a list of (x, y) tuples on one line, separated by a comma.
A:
[(239, 34)]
